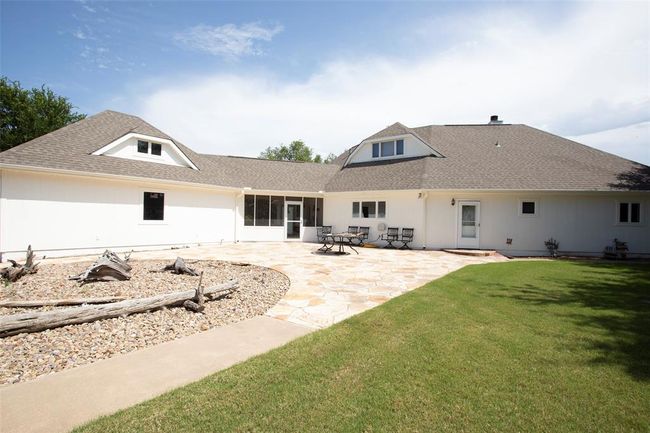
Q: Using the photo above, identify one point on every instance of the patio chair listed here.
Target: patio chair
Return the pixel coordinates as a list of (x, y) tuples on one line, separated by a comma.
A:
[(323, 235), (407, 237), (391, 235), (353, 229), (363, 233)]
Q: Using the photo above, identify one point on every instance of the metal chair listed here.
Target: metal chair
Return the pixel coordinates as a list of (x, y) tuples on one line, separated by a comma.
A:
[(353, 229), (407, 237), (324, 235), (362, 233), (391, 235)]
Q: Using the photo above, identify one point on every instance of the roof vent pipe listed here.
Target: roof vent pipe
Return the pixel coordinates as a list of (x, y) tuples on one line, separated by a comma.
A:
[(494, 120)]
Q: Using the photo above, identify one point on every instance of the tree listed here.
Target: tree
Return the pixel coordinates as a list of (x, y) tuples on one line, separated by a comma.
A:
[(296, 151), (27, 114)]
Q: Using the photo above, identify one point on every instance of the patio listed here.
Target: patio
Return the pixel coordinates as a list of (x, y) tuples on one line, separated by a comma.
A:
[(326, 289)]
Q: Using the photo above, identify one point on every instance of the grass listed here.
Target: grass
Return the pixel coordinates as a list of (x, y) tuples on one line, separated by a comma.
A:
[(549, 346)]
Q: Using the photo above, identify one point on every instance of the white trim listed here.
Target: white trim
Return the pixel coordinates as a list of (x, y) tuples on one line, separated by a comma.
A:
[(520, 210), (617, 214), (376, 217), (299, 221), (459, 227), (389, 138), (148, 138), (161, 222)]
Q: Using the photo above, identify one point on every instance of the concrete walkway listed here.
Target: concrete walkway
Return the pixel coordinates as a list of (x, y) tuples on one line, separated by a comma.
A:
[(325, 289), (61, 401)]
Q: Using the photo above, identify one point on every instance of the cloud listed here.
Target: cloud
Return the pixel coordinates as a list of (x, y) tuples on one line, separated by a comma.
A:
[(581, 74), (631, 142), (228, 40)]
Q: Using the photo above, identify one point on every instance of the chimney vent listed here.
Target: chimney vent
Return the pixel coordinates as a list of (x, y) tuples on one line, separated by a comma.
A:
[(494, 120)]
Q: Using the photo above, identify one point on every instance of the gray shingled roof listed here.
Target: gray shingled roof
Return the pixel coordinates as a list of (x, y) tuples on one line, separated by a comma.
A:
[(70, 148), (526, 159)]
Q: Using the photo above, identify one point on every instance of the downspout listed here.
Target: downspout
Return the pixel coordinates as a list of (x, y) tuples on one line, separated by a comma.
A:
[(424, 196), (238, 197)]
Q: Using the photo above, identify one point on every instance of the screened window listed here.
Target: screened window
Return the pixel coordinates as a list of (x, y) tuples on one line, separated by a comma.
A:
[(399, 147), (309, 212), (355, 209), (369, 209), (375, 150), (277, 211), (249, 210), (262, 204), (388, 148), (528, 208), (629, 212), (154, 206), (319, 212), (381, 209), (143, 146), (156, 149)]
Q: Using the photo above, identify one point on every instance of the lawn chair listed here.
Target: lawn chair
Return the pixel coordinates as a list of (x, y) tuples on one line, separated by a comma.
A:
[(391, 235), (407, 237), (324, 235), (353, 229), (362, 233)]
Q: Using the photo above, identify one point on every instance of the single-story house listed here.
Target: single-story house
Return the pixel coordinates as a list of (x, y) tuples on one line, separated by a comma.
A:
[(114, 181)]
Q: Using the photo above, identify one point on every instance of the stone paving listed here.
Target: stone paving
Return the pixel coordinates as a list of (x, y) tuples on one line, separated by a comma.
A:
[(326, 289)]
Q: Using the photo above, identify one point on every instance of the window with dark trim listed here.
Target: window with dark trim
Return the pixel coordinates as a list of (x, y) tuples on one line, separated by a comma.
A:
[(143, 146), (309, 212), (262, 204), (528, 208), (156, 149), (249, 210), (153, 206), (277, 211), (629, 213)]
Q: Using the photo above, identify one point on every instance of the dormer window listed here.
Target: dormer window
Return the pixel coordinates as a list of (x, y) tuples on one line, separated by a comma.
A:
[(156, 149), (143, 146), (388, 148)]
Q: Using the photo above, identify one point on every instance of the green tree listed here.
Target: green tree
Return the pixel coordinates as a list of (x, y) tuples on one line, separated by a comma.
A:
[(296, 151), (27, 114)]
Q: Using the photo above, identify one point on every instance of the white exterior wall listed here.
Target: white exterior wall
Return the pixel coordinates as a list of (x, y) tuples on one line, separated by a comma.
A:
[(412, 148), (129, 150), (583, 223), (57, 212)]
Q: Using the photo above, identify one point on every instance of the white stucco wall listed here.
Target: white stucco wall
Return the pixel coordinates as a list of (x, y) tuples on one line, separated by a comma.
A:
[(583, 223), (57, 212), (412, 148), (129, 149)]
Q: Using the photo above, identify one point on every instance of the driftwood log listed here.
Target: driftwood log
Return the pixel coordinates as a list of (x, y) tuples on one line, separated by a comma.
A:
[(16, 270), (179, 267), (38, 321), (60, 302), (108, 267)]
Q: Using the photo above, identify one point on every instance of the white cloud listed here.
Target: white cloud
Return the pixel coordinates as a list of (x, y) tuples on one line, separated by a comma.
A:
[(580, 75), (228, 40), (631, 142)]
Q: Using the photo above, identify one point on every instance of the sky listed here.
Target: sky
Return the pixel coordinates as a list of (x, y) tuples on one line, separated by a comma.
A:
[(235, 78)]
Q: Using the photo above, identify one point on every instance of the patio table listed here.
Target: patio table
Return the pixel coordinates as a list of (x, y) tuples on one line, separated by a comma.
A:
[(340, 239)]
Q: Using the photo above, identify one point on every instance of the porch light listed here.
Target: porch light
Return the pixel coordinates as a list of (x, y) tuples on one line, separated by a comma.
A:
[(453, 201)]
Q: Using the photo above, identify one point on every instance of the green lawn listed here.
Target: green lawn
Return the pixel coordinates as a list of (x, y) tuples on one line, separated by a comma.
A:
[(508, 347)]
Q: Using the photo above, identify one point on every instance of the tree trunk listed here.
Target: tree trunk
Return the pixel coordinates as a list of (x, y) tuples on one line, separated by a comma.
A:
[(16, 271), (59, 302), (39, 321), (108, 267)]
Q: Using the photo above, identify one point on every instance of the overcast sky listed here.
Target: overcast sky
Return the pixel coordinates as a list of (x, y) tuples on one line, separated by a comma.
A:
[(234, 78)]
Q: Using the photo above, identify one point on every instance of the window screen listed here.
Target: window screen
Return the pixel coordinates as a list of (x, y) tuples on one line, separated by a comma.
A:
[(528, 207), (154, 206), (388, 148), (309, 211), (262, 203), (143, 146), (319, 212), (381, 209), (156, 149), (249, 210), (375, 150), (277, 211), (355, 209), (399, 147), (368, 209)]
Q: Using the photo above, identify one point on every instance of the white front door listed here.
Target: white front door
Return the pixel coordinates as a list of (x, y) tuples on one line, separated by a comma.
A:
[(469, 225), (293, 211)]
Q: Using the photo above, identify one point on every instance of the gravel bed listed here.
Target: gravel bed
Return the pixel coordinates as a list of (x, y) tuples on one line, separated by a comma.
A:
[(26, 356)]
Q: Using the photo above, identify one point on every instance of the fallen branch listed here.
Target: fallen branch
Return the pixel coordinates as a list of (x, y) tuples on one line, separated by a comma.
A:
[(59, 302), (16, 270), (108, 267), (39, 321), (178, 267)]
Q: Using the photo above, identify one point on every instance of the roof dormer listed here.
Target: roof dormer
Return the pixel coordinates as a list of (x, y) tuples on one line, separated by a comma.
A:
[(140, 147)]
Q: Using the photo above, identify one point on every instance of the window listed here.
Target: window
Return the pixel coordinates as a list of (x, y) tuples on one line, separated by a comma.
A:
[(528, 207), (319, 212), (262, 204), (249, 210), (388, 148), (355, 209), (156, 149), (369, 209), (153, 206), (277, 211), (143, 146), (309, 212), (629, 213)]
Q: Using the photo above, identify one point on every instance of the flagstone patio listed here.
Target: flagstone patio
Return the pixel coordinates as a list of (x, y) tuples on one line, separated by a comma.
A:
[(326, 289)]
